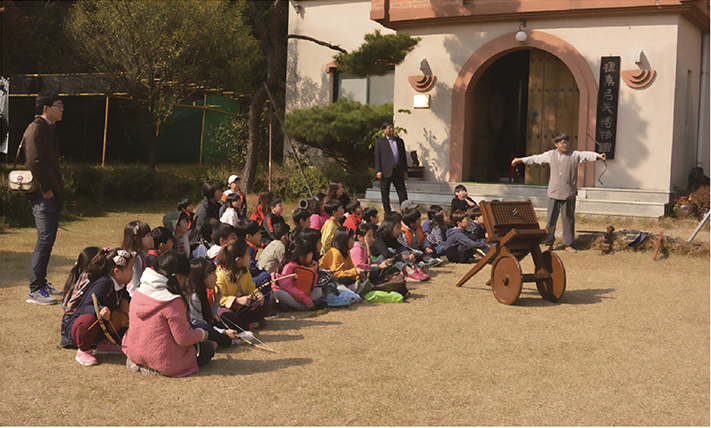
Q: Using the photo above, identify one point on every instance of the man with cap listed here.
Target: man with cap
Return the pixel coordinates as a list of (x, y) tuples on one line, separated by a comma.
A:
[(562, 185), (234, 184), (390, 165)]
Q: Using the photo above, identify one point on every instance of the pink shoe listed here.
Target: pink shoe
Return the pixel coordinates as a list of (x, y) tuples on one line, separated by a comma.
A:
[(415, 276), (423, 274), (86, 358)]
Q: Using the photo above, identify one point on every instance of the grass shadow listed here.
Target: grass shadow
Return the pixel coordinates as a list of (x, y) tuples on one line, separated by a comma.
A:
[(16, 267), (230, 366)]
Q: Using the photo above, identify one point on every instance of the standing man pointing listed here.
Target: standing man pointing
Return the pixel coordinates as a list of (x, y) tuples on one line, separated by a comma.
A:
[(42, 158), (562, 186), (390, 165)]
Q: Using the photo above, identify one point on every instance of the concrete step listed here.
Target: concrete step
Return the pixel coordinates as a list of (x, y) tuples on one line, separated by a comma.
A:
[(590, 201)]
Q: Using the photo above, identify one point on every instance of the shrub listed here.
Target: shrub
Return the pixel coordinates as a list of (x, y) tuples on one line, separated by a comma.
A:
[(700, 197)]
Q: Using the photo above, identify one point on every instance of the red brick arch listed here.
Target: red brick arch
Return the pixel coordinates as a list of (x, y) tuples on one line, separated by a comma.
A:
[(462, 108)]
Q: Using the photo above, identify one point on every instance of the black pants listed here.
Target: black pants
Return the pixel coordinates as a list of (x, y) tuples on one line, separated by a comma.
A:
[(397, 179)]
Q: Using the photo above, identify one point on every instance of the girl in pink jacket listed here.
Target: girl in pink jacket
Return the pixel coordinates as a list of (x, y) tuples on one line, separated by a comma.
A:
[(160, 340)]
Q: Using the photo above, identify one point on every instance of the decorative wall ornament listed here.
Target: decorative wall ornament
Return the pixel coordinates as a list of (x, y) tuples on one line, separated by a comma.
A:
[(422, 83), (638, 79)]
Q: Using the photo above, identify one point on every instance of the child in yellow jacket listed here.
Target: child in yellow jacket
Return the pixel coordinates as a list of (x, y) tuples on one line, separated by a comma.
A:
[(338, 258)]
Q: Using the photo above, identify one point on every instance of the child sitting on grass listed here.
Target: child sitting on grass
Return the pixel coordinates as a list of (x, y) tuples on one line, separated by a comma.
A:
[(459, 248), (205, 242), (233, 204), (461, 201), (204, 297), (187, 207), (386, 246), (160, 340), (338, 260), (222, 235), (260, 210), (318, 215), (300, 217), (427, 224), (334, 209), (209, 208), (243, 306), (276, 209), (177, 223), (274, 252), (250, 231), (137, 239), (477, 231), (299, 292), (74, 288), (370, 216), (234, 188), (109, 272), (437, 238), (163, 241), (354, 212)]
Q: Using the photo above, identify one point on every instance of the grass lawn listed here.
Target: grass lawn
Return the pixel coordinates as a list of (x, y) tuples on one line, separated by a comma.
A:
[(627, 345)]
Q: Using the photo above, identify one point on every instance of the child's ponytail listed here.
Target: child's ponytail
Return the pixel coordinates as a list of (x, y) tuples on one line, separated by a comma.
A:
[(200, 268), (85, 257), (169, 264)]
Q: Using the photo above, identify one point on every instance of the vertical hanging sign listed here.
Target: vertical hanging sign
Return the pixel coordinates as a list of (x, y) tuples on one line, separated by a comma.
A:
[(607, 102)]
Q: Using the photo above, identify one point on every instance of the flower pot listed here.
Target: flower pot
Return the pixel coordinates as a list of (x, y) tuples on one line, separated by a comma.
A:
[(686, 211)]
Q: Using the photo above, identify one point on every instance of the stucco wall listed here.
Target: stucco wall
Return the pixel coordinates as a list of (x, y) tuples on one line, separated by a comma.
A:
[(336, 22), (643, 152), (686, 104)]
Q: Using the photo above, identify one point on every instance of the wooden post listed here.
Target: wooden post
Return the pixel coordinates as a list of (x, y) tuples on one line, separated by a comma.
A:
[(106, 122), (202, 129), (270, 146)]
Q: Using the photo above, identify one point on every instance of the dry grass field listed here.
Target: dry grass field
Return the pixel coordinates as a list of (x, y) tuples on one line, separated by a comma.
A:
[(628, 345)]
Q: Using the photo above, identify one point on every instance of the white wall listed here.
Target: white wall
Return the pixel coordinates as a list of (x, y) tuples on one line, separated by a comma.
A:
[(336, 22), (643, 151)]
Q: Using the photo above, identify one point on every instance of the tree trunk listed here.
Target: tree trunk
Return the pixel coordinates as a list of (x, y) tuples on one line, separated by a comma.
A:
[(255, 122)]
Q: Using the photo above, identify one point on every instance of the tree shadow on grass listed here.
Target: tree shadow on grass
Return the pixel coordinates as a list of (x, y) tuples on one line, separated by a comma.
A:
[(230, 366)]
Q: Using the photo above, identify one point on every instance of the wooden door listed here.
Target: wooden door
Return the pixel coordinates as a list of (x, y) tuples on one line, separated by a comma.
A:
[(553, 102)]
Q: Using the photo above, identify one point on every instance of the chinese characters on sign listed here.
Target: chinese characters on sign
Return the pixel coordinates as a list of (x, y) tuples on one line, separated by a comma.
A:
[(607, 102)]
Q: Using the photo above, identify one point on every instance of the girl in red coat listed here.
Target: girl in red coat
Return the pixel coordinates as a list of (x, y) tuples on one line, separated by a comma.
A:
[(160, 340)]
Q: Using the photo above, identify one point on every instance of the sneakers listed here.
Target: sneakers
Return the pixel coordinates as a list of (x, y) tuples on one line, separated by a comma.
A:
[(40, 297), (51, 290), (104, 347), (434, 261), (86, 358), (418, 275), (570, 249), (137, 368)]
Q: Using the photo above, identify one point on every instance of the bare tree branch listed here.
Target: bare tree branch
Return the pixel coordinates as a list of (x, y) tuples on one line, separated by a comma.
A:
[(318, 42)]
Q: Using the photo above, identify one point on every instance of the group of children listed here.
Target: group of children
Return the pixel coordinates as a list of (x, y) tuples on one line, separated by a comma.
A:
[(172, 295)]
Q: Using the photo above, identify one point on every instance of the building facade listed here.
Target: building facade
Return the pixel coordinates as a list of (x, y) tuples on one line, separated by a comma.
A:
[(495, 79)]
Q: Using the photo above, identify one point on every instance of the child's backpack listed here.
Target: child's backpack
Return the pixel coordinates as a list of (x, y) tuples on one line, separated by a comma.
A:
[(74, 296), (70, 304)]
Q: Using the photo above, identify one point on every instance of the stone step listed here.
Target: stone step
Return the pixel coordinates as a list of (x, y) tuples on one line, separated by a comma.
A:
[(590, 201)]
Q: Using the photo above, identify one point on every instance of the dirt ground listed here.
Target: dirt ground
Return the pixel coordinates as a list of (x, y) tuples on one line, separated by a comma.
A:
[(627, 345)]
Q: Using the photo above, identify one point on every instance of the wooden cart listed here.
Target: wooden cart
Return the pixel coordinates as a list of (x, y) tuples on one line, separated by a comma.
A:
[(513, 228)]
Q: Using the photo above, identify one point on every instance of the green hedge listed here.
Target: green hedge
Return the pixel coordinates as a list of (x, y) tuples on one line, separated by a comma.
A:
[(90, 187)]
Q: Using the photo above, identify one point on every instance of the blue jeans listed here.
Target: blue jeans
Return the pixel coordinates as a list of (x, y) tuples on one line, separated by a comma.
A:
[(46, 212)]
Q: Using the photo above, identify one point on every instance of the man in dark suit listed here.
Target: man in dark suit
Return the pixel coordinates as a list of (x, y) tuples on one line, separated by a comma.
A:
[(390, 165)]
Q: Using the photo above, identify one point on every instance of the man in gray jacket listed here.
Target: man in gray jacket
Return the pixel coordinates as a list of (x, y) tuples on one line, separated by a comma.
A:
[(562, 186), (42, 158)]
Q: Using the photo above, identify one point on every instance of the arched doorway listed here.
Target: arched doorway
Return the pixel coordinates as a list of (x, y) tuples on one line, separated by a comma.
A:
[(521, 100), (463, 128)]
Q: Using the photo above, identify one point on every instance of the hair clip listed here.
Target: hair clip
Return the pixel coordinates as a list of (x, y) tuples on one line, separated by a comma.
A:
[(107, 249), (136, 228), (121, 257)]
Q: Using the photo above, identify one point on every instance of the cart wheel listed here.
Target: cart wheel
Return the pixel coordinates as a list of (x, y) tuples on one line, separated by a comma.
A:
[(506, 279), (552, 289)]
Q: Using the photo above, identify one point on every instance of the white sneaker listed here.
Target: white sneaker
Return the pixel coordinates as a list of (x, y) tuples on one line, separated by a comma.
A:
[(40, 297)]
